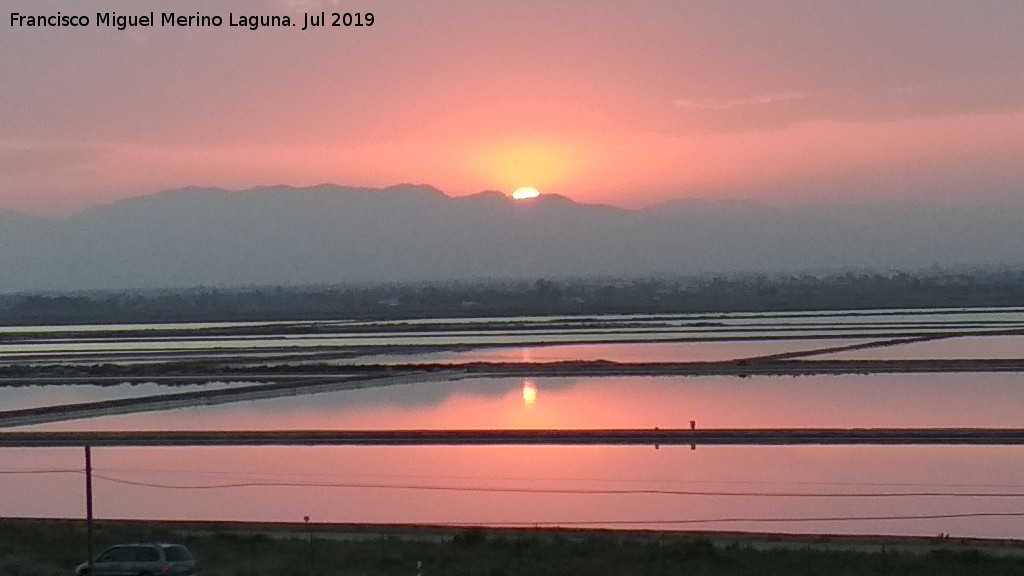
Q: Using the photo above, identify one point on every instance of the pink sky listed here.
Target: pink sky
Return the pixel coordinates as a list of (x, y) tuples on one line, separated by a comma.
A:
[(625, 103)]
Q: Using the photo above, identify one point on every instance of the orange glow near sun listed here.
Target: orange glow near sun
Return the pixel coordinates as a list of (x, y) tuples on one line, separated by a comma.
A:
[(544, 163), (529, 393)]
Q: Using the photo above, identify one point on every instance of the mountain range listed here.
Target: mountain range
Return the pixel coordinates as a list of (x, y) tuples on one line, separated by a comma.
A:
[(332, 234)]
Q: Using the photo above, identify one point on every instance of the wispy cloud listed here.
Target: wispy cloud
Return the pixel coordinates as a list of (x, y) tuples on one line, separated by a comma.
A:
[(725, 104)]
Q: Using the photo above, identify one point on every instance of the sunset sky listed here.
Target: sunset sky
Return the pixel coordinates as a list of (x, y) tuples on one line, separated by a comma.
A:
[(619, 102)]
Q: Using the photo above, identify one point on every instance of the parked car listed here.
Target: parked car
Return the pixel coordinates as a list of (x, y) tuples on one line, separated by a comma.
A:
[(144, 559)]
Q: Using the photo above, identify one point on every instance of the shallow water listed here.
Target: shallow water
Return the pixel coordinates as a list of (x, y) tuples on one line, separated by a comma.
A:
[(54, 341), (966, 347), (722, 488), (878, 400), (708, 351), (17, 398)]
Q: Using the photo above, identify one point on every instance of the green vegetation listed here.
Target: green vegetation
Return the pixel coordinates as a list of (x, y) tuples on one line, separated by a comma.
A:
[(848, 291), (52, 548)]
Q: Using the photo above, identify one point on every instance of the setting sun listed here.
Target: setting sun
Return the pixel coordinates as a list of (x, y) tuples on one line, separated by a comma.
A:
[(525, 193)]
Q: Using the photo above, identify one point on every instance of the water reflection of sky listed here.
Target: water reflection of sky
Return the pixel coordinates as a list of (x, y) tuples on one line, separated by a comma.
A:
[(880, 400), (964, 347), (933, 315), (743, 488), (632, 352), (691, 351), (710, 488), (119, 346), (20, 397), (20, 342)]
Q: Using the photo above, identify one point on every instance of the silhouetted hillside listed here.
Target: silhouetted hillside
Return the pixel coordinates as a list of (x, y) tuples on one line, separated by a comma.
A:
[(330, 235)]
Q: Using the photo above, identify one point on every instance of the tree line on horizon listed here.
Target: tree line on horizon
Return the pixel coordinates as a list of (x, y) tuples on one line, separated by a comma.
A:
[(509, 298)]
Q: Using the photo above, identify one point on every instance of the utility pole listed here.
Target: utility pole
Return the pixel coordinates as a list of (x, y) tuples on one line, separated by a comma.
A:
[(309, 534), (88, 505)]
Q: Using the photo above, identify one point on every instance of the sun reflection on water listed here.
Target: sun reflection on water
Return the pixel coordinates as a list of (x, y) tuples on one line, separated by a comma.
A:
[(529, 393)]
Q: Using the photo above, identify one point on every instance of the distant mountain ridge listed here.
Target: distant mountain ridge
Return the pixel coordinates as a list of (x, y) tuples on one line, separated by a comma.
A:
[(333, 234)]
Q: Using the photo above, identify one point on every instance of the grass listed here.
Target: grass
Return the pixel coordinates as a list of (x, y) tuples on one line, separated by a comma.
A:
[(54, 548)]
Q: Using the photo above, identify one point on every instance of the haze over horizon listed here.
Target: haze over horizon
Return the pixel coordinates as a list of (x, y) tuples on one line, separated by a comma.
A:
[(627, 104), (337, 235), (875, 203)]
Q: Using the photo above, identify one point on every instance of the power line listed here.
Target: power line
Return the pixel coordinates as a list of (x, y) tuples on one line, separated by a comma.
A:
[(565, 491), (685, 521), (43, 471), (165, 471), (750, 520)]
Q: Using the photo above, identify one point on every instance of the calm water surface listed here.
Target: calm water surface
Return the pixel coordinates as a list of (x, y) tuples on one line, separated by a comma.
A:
[(967, 491), (789, 489), (967, 347), (727, 488), (707, 351), (881, 400)]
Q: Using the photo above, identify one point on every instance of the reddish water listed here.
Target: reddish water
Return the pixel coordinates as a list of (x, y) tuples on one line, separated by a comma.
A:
[(882, 400), (510, 486), (562, 485)]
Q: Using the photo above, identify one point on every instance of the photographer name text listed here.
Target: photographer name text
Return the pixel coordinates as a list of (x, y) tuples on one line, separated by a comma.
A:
[(117, 21)]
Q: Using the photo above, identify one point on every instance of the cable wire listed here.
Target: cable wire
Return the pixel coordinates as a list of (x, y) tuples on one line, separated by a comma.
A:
[(752, 519), (575, 491), (44, 471), (564, 479)]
